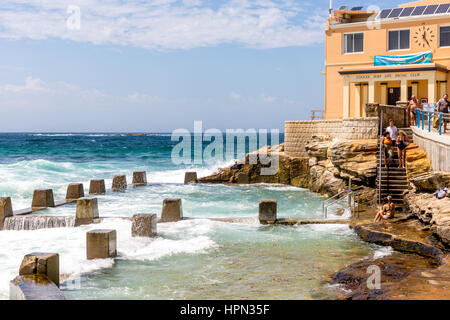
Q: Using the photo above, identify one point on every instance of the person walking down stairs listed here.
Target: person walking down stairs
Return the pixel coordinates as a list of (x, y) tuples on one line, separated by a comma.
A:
[(387, 144), (402, 143)]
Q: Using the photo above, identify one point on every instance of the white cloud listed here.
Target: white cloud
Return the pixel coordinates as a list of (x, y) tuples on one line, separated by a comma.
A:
[(235, 96), (35, 87), (166, 24), (31, 85)]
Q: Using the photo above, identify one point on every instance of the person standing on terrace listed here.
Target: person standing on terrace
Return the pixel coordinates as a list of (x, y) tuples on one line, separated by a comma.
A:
[(412, 107), (442, 107)]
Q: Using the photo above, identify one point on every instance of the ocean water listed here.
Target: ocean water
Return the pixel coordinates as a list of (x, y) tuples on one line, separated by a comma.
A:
[(192, 259)]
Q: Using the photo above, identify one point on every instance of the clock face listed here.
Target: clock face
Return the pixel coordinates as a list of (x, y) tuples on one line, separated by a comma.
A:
[(424, 37)]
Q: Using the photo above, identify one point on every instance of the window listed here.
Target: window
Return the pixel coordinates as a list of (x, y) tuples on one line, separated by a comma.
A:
[(398, 40), (353, 42), (444, 37)]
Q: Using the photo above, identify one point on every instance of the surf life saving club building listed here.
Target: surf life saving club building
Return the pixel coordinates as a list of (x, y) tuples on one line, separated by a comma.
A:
[(386, 56)]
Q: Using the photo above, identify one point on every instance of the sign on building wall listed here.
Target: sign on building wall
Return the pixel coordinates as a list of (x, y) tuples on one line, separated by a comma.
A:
[(417, 58)]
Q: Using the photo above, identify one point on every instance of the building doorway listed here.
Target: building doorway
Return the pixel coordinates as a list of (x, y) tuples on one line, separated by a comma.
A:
[(393, 96)]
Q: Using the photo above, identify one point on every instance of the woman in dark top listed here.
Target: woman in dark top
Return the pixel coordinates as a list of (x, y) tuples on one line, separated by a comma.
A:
[(402, 143)]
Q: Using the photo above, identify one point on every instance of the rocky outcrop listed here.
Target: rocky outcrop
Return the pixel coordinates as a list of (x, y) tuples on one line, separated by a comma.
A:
[(417, 161), (291, 170), (327, 170), (431, 181), (432, 212), (333, 163)]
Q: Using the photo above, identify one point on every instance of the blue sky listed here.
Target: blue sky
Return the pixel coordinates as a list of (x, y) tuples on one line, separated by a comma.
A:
[(158, 65)]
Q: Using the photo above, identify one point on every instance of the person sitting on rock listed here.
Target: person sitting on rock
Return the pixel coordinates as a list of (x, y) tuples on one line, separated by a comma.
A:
[(386, 211), (442, 193)]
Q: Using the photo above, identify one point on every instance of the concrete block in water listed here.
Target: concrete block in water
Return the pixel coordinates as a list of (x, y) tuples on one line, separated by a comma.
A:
[(87, 211), (242, 178), (267, 211), (5, 210), (34, 287), (119, 183), (97, 187), (41, 264), (144, 225), (74, 191), (42, 198), (101, 244), (139, 178), (190, 177), (172, 210)]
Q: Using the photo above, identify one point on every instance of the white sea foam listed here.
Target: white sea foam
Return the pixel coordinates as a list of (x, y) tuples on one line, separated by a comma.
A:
[(189, 237), (382, 252)]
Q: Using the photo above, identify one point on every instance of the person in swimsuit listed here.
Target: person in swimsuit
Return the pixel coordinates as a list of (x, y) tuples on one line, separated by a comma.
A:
[(402, 143), (412, 107), (386, 211), (386, 142)]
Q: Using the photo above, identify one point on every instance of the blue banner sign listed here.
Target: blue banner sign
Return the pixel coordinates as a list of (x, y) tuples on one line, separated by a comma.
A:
[(417, 58)]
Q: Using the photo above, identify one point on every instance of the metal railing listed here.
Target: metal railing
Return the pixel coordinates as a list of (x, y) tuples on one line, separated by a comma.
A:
[(380, 157), (353, 202), (431, 117)]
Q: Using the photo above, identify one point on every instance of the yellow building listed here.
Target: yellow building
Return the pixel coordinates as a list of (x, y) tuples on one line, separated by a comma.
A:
[(408, 35)]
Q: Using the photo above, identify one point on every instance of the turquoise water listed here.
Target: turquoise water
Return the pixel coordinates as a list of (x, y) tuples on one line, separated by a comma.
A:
[(192, 259)]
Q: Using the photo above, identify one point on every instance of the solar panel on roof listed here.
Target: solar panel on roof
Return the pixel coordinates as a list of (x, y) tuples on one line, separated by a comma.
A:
[(343, 7), (407, 12), (443, 8), (418, 10), (385, 13), (356, 8), (395, 13), (431, 9)]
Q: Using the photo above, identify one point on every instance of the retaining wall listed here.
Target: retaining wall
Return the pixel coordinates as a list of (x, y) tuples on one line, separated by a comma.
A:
[(437, 148), (299, 133)]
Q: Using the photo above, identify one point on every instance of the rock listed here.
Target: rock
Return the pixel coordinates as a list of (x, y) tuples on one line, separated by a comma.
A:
[(433, 212), (356, 159), (431, 181), (417, 161)]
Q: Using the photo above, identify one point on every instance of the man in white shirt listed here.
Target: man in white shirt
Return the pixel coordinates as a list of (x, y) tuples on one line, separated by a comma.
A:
[(393, 131)]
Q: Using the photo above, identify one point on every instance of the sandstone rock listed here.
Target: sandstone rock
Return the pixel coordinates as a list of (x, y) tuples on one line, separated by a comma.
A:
[(433, 212), (417, 161), (431, 181)]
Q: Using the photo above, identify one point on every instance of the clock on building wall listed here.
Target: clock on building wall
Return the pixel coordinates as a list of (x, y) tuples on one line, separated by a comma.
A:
[(424, 37)]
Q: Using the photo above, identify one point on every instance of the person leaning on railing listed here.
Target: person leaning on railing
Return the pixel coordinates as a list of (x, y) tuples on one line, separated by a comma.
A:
[(443, 107)]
